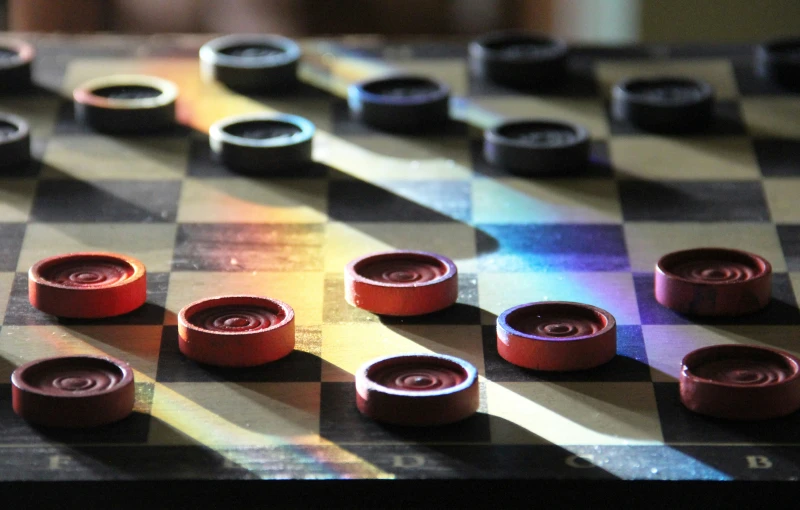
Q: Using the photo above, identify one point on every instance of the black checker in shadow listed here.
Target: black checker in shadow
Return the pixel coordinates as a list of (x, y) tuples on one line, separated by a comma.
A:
[(676, 201), (11, 236), (203, 163), (341, 422), (629, 365), (133, 429), (72, 201), (750, 84), (680, 425), (299, 366), (345, 124), (67, 124), (359, 201), (598, 166), (19, 311), (241, 247), (778, 157), (565, 247), (781, 310), (726, 121), (790, 242)]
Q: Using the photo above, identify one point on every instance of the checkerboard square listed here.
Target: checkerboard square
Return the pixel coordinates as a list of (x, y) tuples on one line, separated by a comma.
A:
[(782, 196), (781, 310), (136, 345), (300, 290), (239, 200), (526, 248), (248, 247), (234, 414), (612, 291), (726, 120), (630, 364), (20, 311), (16, 199), (598, 166), (133, 429), (11, 235), (778, 157), (666, 345), (346, 347), (706, 158), (771, 117), (579, 82), (346, 124), (517, 200), (465, 311), (302, 365), (347, 241), (150, 243), (566, 413), (106, 201), (341, 422), (683, 426), (437, 201), (790, 241), (452, 72), (647, 242), (678, 201)]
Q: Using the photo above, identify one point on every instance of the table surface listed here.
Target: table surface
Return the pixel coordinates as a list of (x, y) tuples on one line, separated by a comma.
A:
[(198, 434)]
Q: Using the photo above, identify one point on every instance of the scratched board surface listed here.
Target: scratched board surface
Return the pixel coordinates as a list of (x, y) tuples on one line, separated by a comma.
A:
[(202, 230)]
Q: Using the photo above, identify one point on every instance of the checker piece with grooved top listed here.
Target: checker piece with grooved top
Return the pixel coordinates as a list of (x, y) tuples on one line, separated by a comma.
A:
[(15, 140), (664, 104), (236, 331), (779, 61), (251, 62), (519, 59), (15, 64), (400, 103)]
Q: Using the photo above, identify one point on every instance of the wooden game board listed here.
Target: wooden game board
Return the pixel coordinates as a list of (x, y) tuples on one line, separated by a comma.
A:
[(202, 231)]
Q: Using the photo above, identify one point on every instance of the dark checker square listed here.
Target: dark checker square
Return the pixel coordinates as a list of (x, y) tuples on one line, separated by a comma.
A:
[(727, 120), (299, 366), (790, 242), (678, 424), (20, 312), (254, 247), (133, 429), (354, 201), (778, 157), (71, 201), (11, 235), (599, 165), (465, 311), (630, 364), (673, 201), (341, 422), (203, 163), (782, 310), (527, 248), (345, 124)]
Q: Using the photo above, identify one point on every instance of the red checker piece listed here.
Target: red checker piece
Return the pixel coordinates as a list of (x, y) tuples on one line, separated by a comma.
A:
[(87, 285), (740, 382), (401, 283), (236, 331), (417, 389), (73, 391), (713, 282), (556, 336)]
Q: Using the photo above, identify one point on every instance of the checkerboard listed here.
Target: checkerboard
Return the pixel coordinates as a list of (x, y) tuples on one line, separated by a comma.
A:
[(202, 230)]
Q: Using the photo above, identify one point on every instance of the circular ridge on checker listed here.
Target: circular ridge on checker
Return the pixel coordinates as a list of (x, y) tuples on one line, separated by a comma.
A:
[(251, 62), (16, 57), (665, 104), (15, 140), (236, 331), (401, 282), (713, 282), (417, 389), (519, 59), (537, 146), (556, 336), (73, 391), (400, 103), (262, 143), (740, 382), (87, 285), (126, 103), (779, 61)]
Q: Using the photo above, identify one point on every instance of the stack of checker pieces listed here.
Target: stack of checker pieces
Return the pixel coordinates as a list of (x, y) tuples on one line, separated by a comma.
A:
[(505, 259)]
